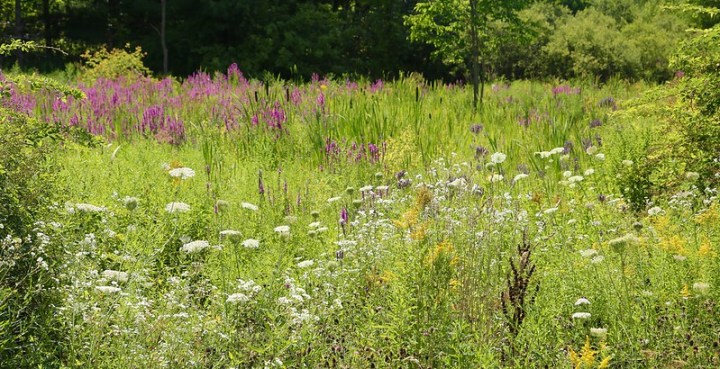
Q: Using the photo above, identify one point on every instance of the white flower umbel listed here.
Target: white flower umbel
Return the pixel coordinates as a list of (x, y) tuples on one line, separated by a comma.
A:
[(177, 207), (108, 289), (251, 243), (458, 183), (195, 246), (89, 208), (598, 332), (588, 253), (550, 210), (581, 316), (283, 230), (701, 287), (249, 206), (237, 298), (367, 188), (334, 199), (498, 158), (305, 264), (114, 275), (519, 177), (496, 178), (230, 234), (655, 210), (182, 173), (582, 301)]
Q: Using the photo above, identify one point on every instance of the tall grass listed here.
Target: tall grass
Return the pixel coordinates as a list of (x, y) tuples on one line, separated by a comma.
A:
[(411, 240)]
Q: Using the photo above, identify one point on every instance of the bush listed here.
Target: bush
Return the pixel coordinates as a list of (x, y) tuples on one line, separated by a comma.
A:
[(681, 121), (27, 294), (111, 64)]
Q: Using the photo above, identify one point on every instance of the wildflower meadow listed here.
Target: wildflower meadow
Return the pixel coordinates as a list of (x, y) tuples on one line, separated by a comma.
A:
[(220, 222)]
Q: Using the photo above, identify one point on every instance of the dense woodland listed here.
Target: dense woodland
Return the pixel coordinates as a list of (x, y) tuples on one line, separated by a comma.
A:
[(295, 38)]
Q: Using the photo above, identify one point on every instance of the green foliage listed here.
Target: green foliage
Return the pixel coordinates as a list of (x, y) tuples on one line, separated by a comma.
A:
[(698, 107), (446, 24), (629, 42), (111, 64), (28, 336)]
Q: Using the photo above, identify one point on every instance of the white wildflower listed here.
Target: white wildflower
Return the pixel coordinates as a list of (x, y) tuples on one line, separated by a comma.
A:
[(498, 158), (236, 298), (177, 207), (195, 246), (458, 183), (544, 154), (305, 263), (89, 208), (567, 174), (600, 157), (588, 253), (582, 301), (655, 210), (589, 172), (108, 289), (519, 177), (366, 188), (314, 225), (550, 210), (114, 275), (557, 150), (693, 176), (627, 163), (282, 230), (495, 178), (597, 259), (581, 316), (249, 206), (680, 257), (598, 332), (591, 150), (230, 234), (251, 243), (575, 179), (334, 199), (182, 173), (700, 287)]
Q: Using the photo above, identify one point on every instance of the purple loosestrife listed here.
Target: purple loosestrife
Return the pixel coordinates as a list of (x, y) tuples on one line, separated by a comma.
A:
[(377, 86), (565, 90), (344, 217)]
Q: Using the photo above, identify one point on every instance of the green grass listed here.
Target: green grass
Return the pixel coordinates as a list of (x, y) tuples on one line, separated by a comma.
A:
[(420, 276)]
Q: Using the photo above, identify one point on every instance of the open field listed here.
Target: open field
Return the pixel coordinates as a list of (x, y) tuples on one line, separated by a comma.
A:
[(217, 222)]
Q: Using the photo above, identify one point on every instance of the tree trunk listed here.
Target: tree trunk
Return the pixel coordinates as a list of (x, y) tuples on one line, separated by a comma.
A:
[(162, 36), (19, 27), (475, 51), (47, 32)]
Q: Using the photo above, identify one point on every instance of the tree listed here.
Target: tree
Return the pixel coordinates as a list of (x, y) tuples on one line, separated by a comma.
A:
[(459, 31)]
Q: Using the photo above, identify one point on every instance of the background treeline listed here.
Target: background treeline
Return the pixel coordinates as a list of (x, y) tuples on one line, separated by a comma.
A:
[(295, 38)]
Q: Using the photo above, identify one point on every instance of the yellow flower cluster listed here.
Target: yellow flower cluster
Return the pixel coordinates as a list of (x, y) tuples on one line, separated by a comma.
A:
[(709, 217), (588, 358), (443, 249)]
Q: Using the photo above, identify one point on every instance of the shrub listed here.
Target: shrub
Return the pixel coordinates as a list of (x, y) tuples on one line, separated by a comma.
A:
[(111, 64), (28, 333)]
